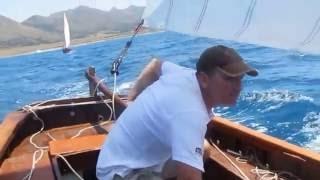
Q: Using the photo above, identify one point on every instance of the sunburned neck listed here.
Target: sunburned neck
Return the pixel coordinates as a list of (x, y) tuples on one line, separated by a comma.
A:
[(208, 101), (208, 98)]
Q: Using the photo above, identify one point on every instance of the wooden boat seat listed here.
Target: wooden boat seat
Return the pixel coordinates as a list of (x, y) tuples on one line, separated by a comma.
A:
[(18, 167), (76, 145), (81, 153)]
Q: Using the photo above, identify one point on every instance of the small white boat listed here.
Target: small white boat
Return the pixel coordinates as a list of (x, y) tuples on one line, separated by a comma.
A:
[(66, 31)]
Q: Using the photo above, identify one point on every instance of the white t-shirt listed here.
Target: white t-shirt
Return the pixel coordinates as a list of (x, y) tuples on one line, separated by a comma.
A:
[(168, 120)]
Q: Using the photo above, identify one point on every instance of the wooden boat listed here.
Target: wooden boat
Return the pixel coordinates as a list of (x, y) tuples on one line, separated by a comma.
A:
[(74, 130)]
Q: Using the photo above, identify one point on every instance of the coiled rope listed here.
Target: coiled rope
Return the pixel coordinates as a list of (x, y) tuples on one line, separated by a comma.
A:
[(263, 174)]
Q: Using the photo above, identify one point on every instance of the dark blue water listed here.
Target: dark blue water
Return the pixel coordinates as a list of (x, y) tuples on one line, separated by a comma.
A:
[(282, 101)]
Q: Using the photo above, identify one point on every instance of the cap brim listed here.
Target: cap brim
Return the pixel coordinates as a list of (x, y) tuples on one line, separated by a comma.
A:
[(238, 69)]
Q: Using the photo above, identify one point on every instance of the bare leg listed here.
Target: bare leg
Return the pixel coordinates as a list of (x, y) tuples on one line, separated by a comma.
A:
[(120, 104), (148, 75)]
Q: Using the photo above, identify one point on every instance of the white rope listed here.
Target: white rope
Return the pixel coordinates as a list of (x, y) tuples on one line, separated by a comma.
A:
[(113, 94), (80, 131), (49, 135), (269, 175), (35, 160), (241, 172), (106, 103), (68, 164), (241, 160), (40, 149), (100, 124), (263, 174), (29, 109), (97, 86), (39, 104)]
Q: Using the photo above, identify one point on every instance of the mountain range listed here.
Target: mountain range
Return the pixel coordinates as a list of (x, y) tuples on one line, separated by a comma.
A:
[(83, 21)]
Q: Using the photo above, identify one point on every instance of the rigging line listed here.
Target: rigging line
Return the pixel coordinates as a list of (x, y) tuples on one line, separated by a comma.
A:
[(251, 12), (203, 12), (116, 63), (315, 30), (247, 19), (113, 96), (169, 14)]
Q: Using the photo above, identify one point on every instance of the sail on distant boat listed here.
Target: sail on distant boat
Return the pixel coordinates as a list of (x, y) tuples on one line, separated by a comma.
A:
[(286, 24), (66, 31)]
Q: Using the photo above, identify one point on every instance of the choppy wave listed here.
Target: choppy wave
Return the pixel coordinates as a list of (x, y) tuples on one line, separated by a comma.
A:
[(312, 124), (274, 99), (314, 144), (312, 130), (281, 113), (262, 102), (78, 89)]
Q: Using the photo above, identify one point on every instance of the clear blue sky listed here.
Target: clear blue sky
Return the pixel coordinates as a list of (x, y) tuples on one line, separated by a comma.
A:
[(20, 10)]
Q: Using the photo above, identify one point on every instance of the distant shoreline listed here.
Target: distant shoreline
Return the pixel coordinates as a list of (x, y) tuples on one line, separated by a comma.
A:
[(24, 50)]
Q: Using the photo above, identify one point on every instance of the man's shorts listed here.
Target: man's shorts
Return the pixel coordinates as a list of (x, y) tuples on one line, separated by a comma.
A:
[(141, 174)]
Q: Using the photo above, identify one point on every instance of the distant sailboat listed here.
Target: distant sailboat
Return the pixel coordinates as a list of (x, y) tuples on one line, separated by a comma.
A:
[(66, 31)]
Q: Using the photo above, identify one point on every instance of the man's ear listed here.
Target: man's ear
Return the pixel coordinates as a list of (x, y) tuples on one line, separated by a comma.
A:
[(203, 79)]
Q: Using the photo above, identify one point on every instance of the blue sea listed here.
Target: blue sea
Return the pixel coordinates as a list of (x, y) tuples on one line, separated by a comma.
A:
[(283, 101)]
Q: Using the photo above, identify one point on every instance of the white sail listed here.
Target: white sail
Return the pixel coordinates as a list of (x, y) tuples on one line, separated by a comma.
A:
[(288, 24), (66, 31)]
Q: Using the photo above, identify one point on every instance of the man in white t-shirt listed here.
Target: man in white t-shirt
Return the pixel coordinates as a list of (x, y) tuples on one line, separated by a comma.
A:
[(164, 126)]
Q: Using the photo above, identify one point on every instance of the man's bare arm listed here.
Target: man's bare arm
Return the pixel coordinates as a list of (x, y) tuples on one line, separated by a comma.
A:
[(149, 74)]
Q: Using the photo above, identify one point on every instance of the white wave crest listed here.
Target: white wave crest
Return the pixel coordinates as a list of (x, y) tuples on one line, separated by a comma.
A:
[(124, 87), (314, 144), (313, 122), (69, 90), (273, 99), (276, 96), (271, 107), (258, 127), (312, 130)]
